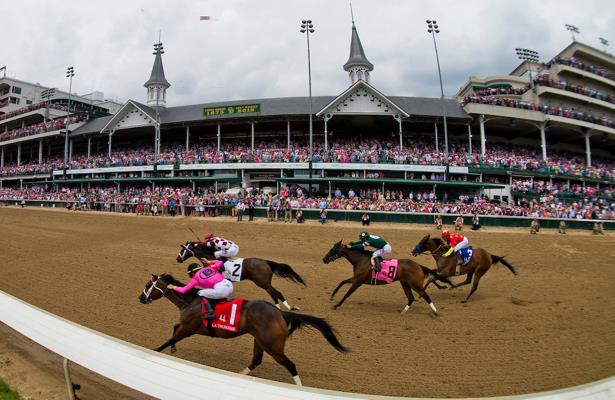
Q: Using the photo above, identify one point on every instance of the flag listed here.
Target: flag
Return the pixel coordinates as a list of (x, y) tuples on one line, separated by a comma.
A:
[(205, 18)]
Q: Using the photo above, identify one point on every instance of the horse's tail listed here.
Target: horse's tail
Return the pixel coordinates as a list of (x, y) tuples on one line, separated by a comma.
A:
[(285, 271), (498, 259), (297, 321)]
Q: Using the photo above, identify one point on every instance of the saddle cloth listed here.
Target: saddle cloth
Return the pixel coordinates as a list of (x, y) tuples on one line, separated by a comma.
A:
[(232, 269), (465, 255), (387, 273), (227, 314)]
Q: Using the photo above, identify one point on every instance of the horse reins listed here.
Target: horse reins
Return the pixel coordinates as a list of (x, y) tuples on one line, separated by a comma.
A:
[(148, 292)]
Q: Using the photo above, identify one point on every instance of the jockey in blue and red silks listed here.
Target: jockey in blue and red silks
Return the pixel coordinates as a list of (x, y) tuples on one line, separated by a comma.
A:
[(457, 241), (214, 285)]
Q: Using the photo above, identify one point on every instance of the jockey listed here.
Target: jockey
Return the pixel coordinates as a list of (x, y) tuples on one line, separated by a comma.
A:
[(457, 241), (382, 247), (223, 248), (212, 282)]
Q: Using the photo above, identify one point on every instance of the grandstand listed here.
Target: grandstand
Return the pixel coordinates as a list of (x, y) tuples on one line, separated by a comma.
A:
[(536, 142)]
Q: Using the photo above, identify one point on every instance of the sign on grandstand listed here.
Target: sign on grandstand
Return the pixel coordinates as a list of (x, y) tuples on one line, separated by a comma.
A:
[(230, 110)]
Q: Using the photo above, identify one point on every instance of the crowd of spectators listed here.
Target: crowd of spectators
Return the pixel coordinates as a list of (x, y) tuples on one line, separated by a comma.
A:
[(566, 112), (575, 63), (34, 107), (45, 126), (544, 80), (185, 201), (419, 152)]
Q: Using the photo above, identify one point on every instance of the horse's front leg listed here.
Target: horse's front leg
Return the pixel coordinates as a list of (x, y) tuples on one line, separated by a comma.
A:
[(342, 283), (355, 286), (173, 348), (180, 333)]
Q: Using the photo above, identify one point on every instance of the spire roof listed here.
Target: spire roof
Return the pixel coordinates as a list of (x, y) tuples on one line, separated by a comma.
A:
[(357, 55), (157, 76)]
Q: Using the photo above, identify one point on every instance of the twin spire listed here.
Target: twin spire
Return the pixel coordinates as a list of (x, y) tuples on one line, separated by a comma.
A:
[(357, 66), (157, 84)]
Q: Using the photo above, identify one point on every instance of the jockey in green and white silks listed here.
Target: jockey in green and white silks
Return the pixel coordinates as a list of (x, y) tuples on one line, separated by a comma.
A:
[(382, 247)]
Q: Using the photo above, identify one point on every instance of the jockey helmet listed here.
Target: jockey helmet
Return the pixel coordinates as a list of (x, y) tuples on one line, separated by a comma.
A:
[(209, 236), (363, 235), (193, 268), (446, 234)]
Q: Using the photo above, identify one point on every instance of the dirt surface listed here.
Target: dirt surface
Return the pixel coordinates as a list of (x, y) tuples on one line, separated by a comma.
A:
[(549, 327)]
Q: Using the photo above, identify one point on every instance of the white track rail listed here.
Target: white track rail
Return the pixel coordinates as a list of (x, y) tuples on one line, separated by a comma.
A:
[(167, 377)]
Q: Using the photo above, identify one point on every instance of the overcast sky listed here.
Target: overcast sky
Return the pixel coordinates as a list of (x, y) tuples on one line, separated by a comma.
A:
[(253, 48)]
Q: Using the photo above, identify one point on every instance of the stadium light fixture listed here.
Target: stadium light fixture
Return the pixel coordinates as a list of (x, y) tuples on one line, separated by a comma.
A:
[(573, 29), (529, 56), (432, 28), (307, 27), (70, 72), (604, 43)]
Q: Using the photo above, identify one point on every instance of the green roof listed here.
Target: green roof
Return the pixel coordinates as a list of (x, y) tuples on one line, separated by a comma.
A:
[(158, 179)]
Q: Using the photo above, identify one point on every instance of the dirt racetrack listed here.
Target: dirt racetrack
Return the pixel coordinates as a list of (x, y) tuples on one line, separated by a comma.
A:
[(549, 327)]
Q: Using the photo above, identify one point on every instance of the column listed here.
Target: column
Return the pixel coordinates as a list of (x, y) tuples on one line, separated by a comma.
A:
[(1, 157), (588, 149), (435, 130), (89, 146), (40, 151), (470, 138), (543, 141), (18, 154), (70, 150), (401, 136), (187, 138), (288, 133), (252, 126), (110, 140), (326, 134), (481, 119), (219, 136)]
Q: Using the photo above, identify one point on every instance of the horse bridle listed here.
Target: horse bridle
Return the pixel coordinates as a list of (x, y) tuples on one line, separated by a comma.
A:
[(148, 292), (337, 254)]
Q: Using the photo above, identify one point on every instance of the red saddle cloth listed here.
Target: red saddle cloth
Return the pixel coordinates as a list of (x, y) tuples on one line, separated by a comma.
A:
[(387, 272), (227, 314)]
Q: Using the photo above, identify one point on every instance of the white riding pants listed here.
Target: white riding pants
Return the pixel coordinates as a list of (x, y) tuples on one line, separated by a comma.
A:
[(220, 290), (462, 245), (230, 252), (383, 251)]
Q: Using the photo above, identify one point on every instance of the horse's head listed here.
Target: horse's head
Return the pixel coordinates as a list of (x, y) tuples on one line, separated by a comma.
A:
[(154, 289), (186, 251), (421, 246), (334, 253)]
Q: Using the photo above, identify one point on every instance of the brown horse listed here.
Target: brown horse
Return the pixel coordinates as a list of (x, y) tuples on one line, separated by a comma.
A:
[(409, 273), (267, 324), (253, 269), (478, 265)]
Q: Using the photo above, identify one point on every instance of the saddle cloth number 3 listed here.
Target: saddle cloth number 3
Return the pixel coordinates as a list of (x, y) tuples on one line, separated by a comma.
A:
[(232, 269)]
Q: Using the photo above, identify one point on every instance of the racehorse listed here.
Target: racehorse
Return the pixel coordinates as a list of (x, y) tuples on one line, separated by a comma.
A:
[(478, 265), (409, 273), (253, 269), (267, 324)]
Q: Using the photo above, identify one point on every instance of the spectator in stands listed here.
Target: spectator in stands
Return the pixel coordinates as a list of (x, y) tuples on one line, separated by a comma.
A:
[(459, 223), (438, 222), (323, 215), (534, 226), (299, 216), (365, 219), (240, 209), (562, 227), (475, 222)]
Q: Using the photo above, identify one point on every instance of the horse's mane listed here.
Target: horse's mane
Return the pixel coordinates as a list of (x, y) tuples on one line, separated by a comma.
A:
[(170, 279), (437, 241), (362, 251)]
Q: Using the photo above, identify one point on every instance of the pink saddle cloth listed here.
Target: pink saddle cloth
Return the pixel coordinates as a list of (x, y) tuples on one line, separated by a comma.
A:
[(387, 273)]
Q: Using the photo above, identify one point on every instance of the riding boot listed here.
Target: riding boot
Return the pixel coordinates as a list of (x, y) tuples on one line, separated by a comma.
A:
[(377, 265), (209, 315)]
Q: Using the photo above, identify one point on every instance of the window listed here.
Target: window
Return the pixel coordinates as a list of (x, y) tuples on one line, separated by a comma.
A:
[(16, 90), (14, 100), (28, 101)]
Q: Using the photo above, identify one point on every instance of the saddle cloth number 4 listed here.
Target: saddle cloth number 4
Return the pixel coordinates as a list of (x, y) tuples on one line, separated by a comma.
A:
[(232, 269)]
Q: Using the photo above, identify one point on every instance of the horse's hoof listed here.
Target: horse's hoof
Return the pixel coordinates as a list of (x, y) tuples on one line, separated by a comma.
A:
[(331, 298), (173, 349), (334, 307), (295, 308)]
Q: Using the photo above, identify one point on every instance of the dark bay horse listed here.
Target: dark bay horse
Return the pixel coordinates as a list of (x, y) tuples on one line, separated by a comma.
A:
[(269, 326), (253, 269), (410, 274), (478, 265)]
